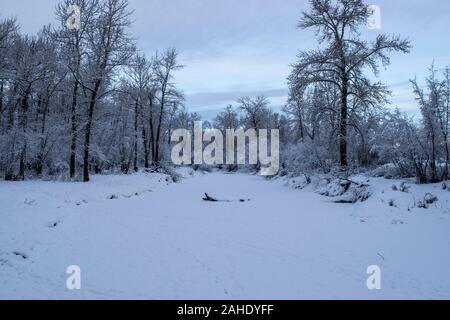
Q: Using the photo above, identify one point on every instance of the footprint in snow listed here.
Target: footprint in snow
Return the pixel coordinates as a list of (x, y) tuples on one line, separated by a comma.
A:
[(54, 224), (29, 202), (20, 254)]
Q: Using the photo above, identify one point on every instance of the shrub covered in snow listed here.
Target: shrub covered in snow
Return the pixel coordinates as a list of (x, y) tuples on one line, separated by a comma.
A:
[(427, 200), (346, 191), (305, 157)]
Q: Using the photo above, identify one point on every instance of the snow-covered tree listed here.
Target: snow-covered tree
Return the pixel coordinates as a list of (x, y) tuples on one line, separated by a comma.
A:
[(434, 107), (165, 96), (343, 59)]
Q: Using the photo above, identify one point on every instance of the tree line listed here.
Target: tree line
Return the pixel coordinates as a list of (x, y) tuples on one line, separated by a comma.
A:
[(336, 120), (73, 102), (82, 100)]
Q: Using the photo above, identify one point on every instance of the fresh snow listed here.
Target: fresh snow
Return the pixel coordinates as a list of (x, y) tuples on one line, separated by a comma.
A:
[(143, 237)]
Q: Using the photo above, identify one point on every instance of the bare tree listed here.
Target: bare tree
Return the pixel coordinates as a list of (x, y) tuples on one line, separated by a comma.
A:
[(256, 112), (109, 47), (141, 77), (165, 94), (344, 58), (74, 50), (445, 120), (8, 33), (65, 98), (46, 90), (434, 107), (30, 69), (227, 119)]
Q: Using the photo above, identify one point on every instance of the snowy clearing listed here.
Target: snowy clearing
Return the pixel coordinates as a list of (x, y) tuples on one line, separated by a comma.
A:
[(142, 237)]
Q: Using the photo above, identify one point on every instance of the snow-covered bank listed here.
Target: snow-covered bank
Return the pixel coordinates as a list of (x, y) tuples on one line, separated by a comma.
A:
[(141, 237)]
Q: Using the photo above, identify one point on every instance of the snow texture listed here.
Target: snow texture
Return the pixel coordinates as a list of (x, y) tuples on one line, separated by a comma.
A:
[(143, 237)]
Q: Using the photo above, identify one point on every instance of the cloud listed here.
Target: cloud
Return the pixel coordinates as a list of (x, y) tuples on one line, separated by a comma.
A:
[(206, 100), (233, 48)]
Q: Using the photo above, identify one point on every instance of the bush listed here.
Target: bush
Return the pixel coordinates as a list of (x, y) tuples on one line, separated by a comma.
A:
[(306, 157), (346, 191), (428, 199)]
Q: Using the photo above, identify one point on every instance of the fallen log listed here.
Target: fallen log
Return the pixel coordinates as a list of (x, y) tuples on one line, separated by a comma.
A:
[(210, 199)]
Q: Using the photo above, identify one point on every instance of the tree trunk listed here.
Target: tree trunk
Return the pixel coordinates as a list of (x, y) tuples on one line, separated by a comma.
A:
[(157, 141), (145, 143), (447, 158), (343, 126), (11, 106), (23, 124), (158, 132), (302, 132), (41, 155), (73, 145), (135, 158), (1, 98), (433, 159), (152, 131), (87, 138)]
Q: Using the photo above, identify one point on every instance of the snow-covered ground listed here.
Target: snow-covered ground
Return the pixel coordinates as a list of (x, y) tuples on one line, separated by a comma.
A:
[(142, 237)]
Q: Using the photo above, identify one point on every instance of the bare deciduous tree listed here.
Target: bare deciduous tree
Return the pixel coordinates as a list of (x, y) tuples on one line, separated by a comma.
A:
[(344, 58), (109, 47), (165, 94)]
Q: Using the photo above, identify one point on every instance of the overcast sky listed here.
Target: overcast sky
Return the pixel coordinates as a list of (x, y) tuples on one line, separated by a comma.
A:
[(233, 48)]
